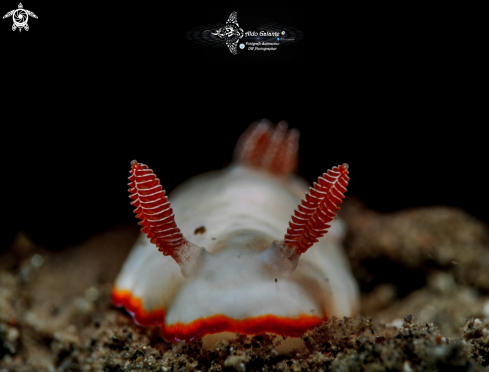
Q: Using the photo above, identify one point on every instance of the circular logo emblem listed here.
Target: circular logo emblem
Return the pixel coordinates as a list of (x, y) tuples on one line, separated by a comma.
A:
[(20, 17), (241, 46)]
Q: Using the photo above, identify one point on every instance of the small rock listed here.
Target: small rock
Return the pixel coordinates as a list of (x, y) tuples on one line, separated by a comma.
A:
[(82, 305), (91, 294), (13, 334), (236, 361), (37, 260), (486, 308), (441, 282)]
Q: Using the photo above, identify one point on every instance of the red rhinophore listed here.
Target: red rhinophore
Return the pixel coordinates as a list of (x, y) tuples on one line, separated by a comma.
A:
[(154, 211), (311, 218), (291, 327)]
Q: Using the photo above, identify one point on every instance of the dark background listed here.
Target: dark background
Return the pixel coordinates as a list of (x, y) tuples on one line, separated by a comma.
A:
[(133, 32), (82, 98)]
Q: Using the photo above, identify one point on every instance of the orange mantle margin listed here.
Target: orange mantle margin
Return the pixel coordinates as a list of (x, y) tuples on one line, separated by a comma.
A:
[(292, 327)]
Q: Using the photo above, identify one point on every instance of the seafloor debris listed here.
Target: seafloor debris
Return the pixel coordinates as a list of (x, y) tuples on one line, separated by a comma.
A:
[(403, 247), (475, 333), (55, 313)]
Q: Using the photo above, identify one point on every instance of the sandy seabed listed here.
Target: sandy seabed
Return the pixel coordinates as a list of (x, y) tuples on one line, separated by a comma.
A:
[(424, 276)]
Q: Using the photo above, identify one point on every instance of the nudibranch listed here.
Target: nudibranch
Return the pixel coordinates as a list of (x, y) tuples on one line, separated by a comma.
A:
[(235, 266)]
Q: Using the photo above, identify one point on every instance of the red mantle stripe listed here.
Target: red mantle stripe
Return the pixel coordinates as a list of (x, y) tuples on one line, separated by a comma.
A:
[(292, 327)]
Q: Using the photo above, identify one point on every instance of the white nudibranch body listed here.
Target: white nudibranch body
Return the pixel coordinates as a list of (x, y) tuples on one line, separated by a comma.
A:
[(232, 270)]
